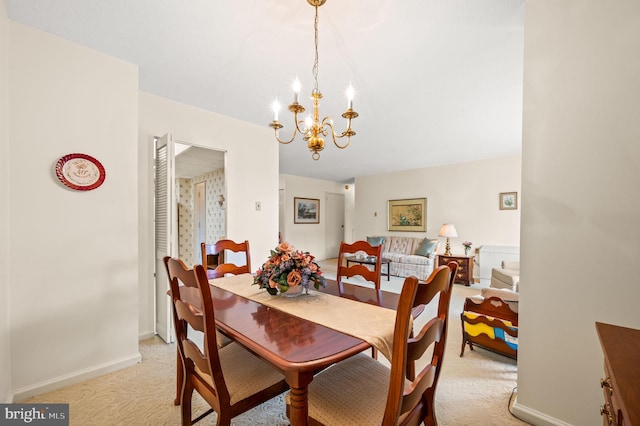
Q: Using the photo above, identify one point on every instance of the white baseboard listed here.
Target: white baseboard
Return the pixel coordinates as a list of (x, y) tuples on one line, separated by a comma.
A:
[(75, 377), (146, 336), (535, 417)]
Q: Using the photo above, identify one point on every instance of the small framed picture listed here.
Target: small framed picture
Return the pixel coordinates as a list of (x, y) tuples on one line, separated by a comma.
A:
[(508, 201), (306, 210)]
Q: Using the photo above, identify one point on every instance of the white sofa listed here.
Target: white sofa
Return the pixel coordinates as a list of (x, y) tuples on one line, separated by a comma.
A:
[(408, 256), (505, 284), (507, 276)]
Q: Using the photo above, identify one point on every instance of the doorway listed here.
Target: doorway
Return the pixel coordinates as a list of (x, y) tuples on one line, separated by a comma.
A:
[(334, 228), (189, 181)]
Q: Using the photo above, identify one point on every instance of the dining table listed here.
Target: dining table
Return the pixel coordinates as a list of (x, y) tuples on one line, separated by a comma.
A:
[(303, 335)]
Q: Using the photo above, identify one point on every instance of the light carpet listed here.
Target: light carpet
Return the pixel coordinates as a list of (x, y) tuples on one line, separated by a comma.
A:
[(473, 390)]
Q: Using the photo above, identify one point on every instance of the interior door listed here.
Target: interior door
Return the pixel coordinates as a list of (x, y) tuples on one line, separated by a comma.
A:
[(334, 230), (200, 211), (165, 232)]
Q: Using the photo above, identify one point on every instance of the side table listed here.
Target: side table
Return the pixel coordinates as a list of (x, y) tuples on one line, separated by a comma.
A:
[(465, 267)]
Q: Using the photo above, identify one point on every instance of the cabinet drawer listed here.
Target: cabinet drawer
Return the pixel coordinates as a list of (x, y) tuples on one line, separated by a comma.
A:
[(610, 411), (462, 262)]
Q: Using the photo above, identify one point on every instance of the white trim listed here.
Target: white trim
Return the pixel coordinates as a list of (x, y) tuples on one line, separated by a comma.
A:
[(75, 377), (535, 417), (161, 330), (146, 336)]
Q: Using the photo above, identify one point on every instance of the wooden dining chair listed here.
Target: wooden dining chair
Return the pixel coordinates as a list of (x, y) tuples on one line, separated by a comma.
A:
[(349, 251), (231, 379), (230, 268), (362, 391), (210, 260)]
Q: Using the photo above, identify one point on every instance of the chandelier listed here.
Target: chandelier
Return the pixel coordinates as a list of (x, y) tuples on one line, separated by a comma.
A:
[(312, 129)]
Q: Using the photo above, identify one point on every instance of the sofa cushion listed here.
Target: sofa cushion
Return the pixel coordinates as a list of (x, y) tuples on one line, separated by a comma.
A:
[(403, 245), (375, 241), (508, 276), (502, 293), (505, 278), (394, 257), (415, 259), (511, 264), (427, 248)]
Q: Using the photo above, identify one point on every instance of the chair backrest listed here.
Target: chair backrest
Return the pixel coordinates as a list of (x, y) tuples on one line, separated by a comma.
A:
[(230, 268), (210, 260), (349, 251), (418, 399), (200, 318)]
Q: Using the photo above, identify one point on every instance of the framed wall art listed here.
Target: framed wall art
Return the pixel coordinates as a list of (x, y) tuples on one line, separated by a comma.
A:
[(407, 215), (306, 210), (508, 201)]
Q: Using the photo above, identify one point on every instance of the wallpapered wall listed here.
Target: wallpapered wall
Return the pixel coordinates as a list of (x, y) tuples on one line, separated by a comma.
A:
[(188, 247)]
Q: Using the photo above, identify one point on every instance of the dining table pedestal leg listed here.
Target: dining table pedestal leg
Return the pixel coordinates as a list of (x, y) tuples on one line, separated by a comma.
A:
[(299, 398)]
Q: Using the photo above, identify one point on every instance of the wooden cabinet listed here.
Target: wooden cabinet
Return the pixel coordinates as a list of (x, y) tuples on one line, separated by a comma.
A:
[(621, 382), (465, 267)]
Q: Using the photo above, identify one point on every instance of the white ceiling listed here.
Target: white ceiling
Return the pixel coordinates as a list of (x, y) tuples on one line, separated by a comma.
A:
[(192, 161), (437, 81)]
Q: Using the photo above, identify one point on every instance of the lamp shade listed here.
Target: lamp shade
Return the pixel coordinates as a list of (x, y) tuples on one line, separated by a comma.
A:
[(448, 230)]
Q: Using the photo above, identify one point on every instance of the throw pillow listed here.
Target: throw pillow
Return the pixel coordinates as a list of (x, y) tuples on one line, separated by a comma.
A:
[(427, 247), (375, 241)]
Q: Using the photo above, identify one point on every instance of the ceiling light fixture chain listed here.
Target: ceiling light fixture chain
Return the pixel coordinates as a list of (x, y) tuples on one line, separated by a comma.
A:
[(312, 128), (314, 70)]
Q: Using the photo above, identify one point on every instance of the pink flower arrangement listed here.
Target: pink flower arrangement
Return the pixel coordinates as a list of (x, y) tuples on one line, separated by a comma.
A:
[(287, 267), (467, 244)]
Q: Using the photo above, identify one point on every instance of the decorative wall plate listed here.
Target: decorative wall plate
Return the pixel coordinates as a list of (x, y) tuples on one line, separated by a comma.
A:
[(80, 172)]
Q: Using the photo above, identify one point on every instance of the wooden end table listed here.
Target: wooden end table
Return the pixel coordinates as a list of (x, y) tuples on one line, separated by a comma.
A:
[(465, 267), (371, 261)]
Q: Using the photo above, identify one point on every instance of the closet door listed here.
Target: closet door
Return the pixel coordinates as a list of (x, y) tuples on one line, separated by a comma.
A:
[(165, 232)]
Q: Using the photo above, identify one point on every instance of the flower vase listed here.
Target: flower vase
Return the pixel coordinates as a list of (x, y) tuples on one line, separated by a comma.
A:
[(467, 251), (294, 291)]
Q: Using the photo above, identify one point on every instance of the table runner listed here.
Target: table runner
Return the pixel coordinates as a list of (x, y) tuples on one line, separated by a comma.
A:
[(373, 324)]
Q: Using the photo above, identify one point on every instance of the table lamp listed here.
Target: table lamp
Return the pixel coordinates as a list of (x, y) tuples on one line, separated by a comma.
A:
[(449, 231)]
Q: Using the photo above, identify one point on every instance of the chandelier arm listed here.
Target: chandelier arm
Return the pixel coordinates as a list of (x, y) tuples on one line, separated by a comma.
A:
[(326, 122), (298, 123), (277, 126), (284, 142), (348, 133)]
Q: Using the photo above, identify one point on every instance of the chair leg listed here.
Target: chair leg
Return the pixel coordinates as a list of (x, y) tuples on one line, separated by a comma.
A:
[(374, 353), (223, 420), (179, 378), (430, 418), (187, 394)]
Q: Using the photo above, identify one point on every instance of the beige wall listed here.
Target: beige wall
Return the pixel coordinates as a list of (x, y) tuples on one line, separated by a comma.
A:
[(251, 174), (465, 194), (580, 232), (96, 296), (5, 362), (306, 237), (73, 281)]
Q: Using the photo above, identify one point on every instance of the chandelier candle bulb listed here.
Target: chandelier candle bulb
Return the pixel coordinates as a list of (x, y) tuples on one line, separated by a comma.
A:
[(276, 108), (350, 93), (296, 90)]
